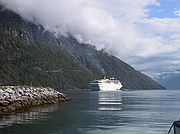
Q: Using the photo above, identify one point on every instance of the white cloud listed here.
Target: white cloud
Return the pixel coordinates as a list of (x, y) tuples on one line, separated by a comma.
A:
[(121, 27), (129, 10), (177, 13)]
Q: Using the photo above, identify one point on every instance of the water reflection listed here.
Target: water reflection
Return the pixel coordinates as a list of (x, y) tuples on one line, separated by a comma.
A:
[(110, 101), (104, 110), (34, 115), (135, 112)]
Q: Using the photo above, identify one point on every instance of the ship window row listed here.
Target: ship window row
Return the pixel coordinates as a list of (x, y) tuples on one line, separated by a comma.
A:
[(96, 82), (115, 82)]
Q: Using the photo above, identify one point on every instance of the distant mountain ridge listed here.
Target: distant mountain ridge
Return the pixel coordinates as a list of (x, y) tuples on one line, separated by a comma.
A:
[(30, 55), (170, 80)]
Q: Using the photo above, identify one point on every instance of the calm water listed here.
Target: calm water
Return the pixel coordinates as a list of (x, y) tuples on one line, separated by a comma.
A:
[(128, 112)]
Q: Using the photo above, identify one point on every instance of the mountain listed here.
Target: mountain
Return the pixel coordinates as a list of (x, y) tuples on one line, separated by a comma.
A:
[(170, 80), (30, 55)]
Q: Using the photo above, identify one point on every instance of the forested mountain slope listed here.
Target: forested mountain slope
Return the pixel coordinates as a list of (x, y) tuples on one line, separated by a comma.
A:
[(30, 55)]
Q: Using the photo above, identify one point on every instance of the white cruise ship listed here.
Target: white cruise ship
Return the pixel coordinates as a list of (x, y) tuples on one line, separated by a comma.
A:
[(105, 84)]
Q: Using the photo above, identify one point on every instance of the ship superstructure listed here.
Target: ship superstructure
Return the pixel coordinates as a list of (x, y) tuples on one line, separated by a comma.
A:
[(105, 84)]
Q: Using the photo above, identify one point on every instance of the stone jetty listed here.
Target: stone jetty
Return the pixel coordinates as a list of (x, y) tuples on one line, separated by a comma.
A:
[(15, 98)]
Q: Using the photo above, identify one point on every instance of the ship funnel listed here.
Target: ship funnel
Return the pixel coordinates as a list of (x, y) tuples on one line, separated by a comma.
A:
[(104, 77)]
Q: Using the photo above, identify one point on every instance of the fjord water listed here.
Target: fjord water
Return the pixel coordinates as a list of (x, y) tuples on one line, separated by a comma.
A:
[(127, 112)]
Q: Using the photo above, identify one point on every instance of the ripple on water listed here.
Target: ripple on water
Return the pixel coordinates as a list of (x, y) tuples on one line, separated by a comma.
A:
[(135, 112)]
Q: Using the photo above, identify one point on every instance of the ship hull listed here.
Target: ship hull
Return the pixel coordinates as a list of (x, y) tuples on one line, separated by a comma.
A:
[(105, 87)]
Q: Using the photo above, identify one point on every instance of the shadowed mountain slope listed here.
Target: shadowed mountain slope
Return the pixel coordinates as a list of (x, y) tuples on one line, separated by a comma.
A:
[(30, 55)]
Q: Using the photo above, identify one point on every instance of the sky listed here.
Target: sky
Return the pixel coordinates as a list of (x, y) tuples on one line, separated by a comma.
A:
[(143, 33)]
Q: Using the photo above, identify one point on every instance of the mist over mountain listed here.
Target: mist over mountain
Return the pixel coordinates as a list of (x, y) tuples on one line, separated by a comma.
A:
[(131, 30), (30, 55)]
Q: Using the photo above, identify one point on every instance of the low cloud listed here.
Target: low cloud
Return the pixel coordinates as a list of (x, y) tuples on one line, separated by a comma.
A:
[(121, 27), (177, 13)]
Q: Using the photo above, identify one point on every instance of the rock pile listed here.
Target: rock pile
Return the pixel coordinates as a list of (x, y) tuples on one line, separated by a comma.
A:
[(14, 98)]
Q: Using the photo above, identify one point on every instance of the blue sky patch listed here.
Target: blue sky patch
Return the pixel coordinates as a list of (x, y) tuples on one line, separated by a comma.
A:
[(165, 9)]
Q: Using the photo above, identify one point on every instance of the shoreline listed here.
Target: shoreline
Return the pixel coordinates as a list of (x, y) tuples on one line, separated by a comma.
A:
[(20, 98)]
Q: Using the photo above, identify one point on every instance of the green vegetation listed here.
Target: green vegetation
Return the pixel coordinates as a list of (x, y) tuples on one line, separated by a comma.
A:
[(32, 56)]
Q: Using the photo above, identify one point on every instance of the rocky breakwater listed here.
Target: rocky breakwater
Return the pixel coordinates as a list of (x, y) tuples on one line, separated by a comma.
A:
[(15, 98)]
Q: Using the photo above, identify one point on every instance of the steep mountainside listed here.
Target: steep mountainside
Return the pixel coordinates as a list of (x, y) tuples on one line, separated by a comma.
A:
[(32, 56)]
